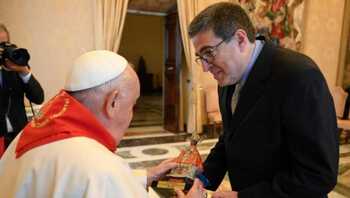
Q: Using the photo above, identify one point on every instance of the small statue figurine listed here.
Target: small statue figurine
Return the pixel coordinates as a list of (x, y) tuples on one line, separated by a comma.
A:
[(190, 166)]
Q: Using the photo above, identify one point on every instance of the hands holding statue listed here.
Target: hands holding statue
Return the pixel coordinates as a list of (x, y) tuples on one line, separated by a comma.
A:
[(196, 191), (157, 172)]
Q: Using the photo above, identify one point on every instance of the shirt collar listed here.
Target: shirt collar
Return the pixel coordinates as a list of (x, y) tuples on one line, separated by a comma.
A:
[(257, 49)]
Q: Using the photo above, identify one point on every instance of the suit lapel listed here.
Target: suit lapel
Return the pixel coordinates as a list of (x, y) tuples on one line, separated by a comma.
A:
[(254, 87), (225, 94)]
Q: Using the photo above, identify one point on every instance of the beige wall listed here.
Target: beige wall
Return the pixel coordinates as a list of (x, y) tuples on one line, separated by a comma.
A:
[(54, 31), (143, 35)]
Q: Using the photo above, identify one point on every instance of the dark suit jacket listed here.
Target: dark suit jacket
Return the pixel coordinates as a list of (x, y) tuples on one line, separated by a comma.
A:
[(12, 99), (282, 140)]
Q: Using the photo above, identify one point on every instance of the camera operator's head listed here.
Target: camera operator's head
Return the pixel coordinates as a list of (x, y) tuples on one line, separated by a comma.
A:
[(4, 33)]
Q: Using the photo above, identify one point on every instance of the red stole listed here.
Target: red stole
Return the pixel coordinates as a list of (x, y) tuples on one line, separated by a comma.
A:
[(2, 146), (62, 117)]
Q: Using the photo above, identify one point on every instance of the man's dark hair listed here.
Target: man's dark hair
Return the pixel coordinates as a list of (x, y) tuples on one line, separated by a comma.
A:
[(224, 19)]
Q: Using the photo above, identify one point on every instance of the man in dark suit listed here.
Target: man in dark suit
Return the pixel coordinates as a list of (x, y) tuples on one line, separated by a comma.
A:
[(280, 134), (15, 81)]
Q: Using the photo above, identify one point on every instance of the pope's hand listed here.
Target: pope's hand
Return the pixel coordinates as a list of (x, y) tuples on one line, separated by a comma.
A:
[(155, 173), (197, 191)]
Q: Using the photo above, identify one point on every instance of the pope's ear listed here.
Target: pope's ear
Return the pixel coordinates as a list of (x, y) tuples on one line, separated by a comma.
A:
[(112, 104)]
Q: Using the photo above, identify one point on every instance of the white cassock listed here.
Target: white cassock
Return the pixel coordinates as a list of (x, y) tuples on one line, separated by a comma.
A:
[(69, 168)]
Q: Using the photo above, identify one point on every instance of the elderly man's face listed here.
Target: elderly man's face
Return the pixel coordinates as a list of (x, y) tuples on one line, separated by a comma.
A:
[(127, 110), (125, 103)]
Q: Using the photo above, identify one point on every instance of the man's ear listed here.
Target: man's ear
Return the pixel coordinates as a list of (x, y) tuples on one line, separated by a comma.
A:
[(242, 38), (112, 104)]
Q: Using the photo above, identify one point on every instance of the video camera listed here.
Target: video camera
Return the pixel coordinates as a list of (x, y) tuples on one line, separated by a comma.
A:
[(19, 56)]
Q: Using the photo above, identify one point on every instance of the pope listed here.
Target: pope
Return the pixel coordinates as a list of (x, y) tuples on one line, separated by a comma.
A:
[(68, 149)]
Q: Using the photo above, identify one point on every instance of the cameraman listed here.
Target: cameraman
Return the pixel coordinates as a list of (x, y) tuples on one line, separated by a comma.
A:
[(15, 81)]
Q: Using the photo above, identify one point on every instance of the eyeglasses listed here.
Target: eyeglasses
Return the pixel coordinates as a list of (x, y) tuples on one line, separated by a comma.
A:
[(209, 54)]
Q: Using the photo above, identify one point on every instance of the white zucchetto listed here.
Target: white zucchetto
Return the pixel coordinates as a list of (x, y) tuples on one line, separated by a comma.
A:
[(93, 69)]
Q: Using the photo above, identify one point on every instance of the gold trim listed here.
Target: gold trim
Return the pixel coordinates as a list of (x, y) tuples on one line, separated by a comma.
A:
[(41, 121)]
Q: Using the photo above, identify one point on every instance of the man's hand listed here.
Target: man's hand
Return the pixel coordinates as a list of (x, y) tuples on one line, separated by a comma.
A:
[(155, 173), (225, 194), (197, 191), (9, 65)]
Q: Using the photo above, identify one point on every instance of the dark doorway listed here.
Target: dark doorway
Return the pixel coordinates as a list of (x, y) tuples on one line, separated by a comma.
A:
[(172, 72), (151, 42)]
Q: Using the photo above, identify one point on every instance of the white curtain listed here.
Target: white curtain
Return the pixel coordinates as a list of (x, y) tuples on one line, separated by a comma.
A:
[(109, 22), (187, 10)]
